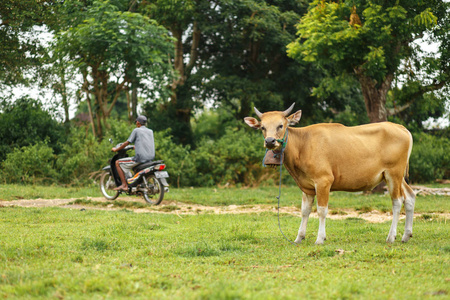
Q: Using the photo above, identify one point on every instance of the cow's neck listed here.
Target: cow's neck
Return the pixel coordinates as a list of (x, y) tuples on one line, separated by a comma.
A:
[(294, 150)]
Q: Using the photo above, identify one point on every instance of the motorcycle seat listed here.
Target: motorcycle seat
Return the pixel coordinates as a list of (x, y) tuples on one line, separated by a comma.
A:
[(143, 166)]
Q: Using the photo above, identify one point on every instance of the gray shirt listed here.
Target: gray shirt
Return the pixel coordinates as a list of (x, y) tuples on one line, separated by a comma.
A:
[(144, 144)]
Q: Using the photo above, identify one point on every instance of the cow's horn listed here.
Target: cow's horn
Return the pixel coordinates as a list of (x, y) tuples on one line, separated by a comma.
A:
[(288, 111), (258, 113)]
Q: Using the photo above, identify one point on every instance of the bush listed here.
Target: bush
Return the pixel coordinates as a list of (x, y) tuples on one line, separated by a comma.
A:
[(81, 157), (430, 158), (30, 164), (235, 158), (176, 157), (25, 122)]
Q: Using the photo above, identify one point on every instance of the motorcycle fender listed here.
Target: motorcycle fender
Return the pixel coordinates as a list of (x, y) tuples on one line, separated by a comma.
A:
[(138, 175), (164, 181)]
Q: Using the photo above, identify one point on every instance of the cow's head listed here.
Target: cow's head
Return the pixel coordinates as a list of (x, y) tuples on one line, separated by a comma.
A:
[(273, 125)]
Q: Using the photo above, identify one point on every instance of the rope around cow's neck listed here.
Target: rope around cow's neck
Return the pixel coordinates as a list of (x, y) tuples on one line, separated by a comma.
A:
[(284, 143)]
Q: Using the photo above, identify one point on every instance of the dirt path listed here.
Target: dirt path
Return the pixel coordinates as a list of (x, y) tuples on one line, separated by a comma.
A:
[(180, 209)]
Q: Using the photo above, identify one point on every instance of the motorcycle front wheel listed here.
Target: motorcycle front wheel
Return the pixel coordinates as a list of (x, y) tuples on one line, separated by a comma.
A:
[(107, 186), (154, 188)]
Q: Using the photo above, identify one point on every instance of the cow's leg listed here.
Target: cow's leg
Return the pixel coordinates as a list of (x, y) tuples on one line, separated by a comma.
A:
[(307, 202), (394, 183), (322, 211), (323, 193), (410, 199), (396, 207)]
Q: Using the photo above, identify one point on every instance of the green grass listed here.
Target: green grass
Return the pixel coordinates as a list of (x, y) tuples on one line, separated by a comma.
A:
[(56, 253), (18, 192)]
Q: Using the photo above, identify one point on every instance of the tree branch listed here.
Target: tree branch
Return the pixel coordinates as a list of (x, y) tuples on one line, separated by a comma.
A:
[(118, 90), (422, 90), (194, 48)]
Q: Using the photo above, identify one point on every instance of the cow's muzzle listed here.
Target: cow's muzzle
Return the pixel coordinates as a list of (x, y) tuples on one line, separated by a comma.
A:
[(271, 143)]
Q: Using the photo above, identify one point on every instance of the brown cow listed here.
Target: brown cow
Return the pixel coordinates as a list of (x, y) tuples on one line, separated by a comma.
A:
[(332, 157)]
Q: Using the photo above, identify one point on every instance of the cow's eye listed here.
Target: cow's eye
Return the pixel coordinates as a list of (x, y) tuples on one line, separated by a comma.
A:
[(263, 128), (280, 127)]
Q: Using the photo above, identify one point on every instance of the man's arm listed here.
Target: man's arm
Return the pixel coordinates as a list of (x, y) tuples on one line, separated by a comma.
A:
[(121, 147)]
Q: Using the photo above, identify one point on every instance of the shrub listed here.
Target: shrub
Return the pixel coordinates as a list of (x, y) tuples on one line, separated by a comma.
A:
[(430, 158), (82, 156), (24, 122), (176, 157), (235, 158), (29, 164)]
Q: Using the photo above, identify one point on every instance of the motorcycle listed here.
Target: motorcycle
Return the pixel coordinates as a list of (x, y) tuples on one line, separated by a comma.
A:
[(149, 179)]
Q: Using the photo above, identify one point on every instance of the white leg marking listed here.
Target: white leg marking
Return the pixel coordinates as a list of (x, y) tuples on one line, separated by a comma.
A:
[(322, 211), (396, 206), (307, 201), (410, 199)]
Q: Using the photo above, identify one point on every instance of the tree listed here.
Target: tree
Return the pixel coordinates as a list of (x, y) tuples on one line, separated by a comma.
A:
[(115, 49), (184, 19), (233, 54), (246, 64), (371, 41), (20, 47)]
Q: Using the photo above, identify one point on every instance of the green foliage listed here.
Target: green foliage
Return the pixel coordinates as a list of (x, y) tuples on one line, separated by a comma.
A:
[(115, 49), (30, 165), (25, 122), (230, 159), (351, 117), (234, 158), (248, 58), (82, 155), (177, 157), (21, 48), (430, 158), (118, 42), (371, 43)]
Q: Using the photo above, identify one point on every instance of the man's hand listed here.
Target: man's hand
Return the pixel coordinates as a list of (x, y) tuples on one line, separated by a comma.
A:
[(114, 149)]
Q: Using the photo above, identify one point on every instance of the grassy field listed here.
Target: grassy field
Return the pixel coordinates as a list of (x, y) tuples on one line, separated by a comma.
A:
[(56, 253)]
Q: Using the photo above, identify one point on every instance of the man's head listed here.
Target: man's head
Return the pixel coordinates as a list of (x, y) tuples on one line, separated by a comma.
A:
[(142, 120)]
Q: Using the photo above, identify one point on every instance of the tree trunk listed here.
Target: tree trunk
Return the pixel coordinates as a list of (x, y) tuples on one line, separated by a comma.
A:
[(134, 102), (88, 100), (127, 94), (375, 96), (178, 61), (178, 99), (98, 117), (91, 115), (65, 102)]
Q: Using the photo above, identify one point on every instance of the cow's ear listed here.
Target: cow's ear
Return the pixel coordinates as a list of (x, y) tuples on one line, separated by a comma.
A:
[(252, 122), (295, 118)]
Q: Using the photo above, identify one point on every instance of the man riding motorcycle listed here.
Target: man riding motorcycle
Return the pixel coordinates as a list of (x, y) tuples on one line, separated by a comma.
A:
[(144, 145)]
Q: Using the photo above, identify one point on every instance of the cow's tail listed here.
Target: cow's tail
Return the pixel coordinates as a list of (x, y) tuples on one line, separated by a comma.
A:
[(406, 174)]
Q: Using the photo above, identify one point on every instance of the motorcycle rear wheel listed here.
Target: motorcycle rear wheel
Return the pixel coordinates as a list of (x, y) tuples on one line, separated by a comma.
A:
[(154, 188), (107, 185)]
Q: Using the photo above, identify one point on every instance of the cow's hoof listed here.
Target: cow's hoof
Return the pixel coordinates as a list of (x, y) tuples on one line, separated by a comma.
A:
[(320, 241), (406, 236), (390, 239), (299, 239)]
